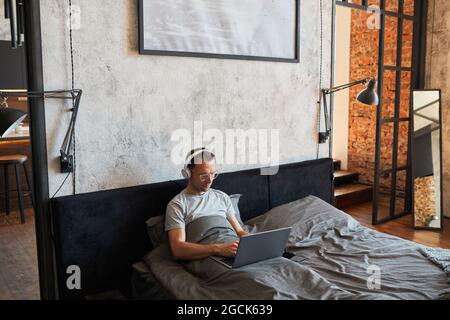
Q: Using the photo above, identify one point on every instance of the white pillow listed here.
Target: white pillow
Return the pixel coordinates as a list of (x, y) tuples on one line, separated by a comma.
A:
[(235, 201)]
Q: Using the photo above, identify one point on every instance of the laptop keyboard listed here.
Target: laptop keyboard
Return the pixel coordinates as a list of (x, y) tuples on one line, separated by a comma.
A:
[(228, 261)]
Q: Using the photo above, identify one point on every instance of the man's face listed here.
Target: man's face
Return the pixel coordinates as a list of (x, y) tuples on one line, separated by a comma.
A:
[(203, 175)]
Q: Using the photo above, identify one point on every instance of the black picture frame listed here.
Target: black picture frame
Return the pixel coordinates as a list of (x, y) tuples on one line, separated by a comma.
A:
[(144, 51)]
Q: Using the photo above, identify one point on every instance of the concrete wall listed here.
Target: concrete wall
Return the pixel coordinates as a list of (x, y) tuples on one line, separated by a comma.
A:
[(342, 72), (133, 103), (438, 77)]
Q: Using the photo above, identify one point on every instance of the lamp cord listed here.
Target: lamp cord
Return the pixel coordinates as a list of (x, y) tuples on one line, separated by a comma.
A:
[(73, 100), (73, 106), (71, 44), (64, 182), (319, 101)]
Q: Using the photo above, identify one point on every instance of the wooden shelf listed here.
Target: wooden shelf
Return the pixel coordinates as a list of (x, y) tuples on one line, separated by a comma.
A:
[(352, 194), (17, 136)]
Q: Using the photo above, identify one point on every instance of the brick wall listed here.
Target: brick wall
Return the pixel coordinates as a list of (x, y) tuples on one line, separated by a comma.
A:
[(438, 77), (362, 119)]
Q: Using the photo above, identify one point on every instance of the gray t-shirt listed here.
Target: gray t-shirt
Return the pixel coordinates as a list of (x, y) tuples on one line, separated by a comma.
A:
[(185, 208)]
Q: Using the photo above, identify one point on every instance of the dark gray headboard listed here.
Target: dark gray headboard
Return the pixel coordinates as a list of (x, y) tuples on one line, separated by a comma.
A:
[(104, 232)]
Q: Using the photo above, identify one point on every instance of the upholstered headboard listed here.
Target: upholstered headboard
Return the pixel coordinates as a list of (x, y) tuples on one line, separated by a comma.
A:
[(104, 232)]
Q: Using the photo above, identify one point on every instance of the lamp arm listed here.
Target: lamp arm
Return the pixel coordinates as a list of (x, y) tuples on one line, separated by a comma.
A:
[(66, 159), (345, 86), (323, 136), (67, 143), (326, 114)]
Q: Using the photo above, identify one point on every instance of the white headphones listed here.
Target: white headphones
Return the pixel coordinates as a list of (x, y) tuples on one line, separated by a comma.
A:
[(192, 154)]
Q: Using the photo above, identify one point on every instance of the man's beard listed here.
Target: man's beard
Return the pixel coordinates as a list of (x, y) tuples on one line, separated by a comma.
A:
[(203, 188)]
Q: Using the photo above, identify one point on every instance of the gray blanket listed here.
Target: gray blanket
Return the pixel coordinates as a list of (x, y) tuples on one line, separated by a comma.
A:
[(440, 257), (335, 258), (214, 229), (206, 230)]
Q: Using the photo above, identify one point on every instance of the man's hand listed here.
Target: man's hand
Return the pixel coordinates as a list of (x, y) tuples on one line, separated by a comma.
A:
[(192, 251), (227, 250), (242, 233), (236, 226)]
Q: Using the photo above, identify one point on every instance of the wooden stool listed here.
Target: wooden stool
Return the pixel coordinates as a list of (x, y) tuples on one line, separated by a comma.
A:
[(16, 161)]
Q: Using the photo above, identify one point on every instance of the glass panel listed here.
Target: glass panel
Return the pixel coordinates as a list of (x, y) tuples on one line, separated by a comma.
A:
[(405, 94), (385, 183), (390, 41), (402, 150), (392, 5), (409, 7), (407, 43), (384, 196), (363, 47), (389, 89), (374, 3), (387, 133), (400, 192)]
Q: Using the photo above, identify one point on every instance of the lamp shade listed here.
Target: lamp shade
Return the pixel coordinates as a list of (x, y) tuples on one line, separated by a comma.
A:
[(10, 119), (369, 95)]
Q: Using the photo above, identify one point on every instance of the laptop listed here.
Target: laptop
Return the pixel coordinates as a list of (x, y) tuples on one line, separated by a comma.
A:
[(257, 247)]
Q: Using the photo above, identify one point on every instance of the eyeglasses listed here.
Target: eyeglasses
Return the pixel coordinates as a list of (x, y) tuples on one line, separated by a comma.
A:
[(205, 176)]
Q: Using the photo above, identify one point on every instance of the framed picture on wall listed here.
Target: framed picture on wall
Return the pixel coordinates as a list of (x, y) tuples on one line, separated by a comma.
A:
[(265, 30)]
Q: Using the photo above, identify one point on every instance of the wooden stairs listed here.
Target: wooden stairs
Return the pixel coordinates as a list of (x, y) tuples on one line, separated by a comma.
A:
[(348, 191)]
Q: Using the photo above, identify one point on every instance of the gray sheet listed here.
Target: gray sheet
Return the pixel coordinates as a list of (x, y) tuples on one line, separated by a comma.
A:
[(144, 285), (333, 254), (214, 229)]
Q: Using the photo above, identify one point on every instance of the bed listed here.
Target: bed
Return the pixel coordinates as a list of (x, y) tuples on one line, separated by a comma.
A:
[(331, 256)]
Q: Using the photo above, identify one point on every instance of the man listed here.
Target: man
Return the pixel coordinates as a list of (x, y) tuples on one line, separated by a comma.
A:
[(199, 200)]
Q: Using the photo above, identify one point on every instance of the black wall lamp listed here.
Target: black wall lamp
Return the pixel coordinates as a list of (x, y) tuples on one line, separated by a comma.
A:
[(10, 118), (368, 96)]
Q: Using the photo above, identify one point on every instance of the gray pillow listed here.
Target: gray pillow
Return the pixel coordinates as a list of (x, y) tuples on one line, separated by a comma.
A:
[(235, 201), (156, 230)]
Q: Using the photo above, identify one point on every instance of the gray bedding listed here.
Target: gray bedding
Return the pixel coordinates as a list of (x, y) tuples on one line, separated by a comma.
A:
[(334, 258)]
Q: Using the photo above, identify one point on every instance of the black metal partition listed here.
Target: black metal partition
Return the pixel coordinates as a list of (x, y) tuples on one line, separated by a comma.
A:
[(412, 73), (44, 242)]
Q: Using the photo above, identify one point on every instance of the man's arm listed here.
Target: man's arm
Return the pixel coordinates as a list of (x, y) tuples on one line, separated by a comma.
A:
[(192, 251), (236, 226)]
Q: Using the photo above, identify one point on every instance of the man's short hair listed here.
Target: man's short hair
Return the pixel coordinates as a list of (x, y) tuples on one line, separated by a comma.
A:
[(204, 156)]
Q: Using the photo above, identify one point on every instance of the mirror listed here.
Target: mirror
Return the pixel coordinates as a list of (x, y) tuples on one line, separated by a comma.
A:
[(427, 159)]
